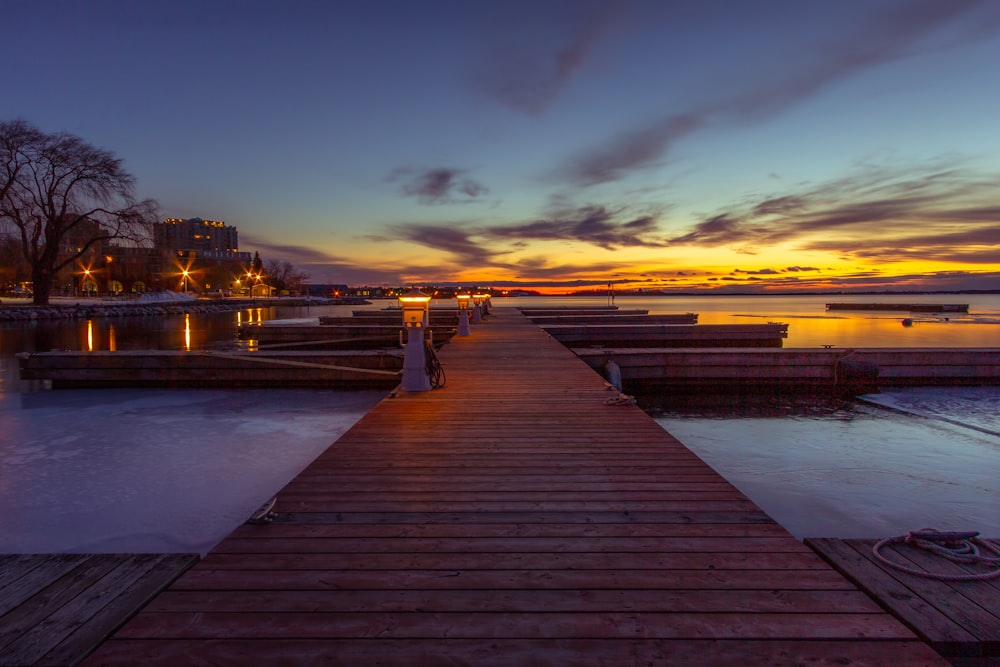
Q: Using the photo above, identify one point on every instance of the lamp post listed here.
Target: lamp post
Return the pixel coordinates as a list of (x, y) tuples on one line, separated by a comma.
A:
[(416, 309), (185, 274), (463, 314), (477, 310)]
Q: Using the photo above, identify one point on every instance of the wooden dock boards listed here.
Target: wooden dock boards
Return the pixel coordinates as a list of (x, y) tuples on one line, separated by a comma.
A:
[(55, 609), (512, 518), (960, 619)]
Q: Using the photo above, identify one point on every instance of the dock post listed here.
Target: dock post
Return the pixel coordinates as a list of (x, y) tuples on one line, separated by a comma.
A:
[(477, 311), (416, 317), (463, 314), (415, 362)]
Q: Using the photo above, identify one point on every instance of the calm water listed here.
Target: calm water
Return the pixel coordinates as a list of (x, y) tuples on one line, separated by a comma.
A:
[(161, 470), (810, 324)]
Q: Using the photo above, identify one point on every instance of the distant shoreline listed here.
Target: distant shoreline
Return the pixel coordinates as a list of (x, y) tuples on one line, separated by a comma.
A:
[(69, 309)]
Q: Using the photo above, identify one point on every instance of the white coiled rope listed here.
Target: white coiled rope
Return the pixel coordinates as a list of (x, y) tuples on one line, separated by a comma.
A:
[(959, 547)]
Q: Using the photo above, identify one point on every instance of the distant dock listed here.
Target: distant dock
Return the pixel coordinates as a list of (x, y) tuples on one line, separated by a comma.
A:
[(903, 307)]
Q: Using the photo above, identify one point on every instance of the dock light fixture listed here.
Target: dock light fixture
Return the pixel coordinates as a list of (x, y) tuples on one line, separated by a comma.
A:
[(477, 311), (185, 273), (416, 315), (463, 314)]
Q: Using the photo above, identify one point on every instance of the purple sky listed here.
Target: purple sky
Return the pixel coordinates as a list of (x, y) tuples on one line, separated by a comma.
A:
[(716, 144)]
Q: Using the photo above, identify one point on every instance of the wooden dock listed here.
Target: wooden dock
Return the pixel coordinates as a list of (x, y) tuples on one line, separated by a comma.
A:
[(340, 369), (960, 619), (514, 517), (799, 369), (771, 334), (55, 609), (332, 336)]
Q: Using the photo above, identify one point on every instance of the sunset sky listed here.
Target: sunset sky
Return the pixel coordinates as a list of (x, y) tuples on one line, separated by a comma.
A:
[(725, 144)]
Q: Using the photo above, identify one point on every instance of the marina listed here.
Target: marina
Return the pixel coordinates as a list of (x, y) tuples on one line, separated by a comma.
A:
[(629, 474), (437, 531)]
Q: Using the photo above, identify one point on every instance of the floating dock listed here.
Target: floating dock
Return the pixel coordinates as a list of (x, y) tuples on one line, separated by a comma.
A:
[(796, 369), (206, 369), (616, 317), (669, 335), (335, 336), (903, 307), (522, 515)]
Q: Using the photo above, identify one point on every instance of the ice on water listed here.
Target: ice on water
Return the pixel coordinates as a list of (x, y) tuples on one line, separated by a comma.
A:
[(152, 470), (867, 472)]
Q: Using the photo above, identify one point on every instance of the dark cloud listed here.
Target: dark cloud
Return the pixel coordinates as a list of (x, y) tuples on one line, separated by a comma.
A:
[(440, 185), (929, 211), (596, 225), (528, 75), (320, 266), (899, 32), (448, 239), (631, 150), (719, 230), (759, 272), (295, 254)]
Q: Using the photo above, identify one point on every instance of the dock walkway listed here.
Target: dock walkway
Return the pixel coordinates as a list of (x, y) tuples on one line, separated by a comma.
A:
[(512, 518)]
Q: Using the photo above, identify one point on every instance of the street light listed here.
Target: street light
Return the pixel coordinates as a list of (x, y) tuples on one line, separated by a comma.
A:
[(185, 273)]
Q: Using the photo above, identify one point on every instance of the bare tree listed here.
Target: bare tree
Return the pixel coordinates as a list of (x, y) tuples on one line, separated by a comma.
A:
[(64, 197), (284, 276)]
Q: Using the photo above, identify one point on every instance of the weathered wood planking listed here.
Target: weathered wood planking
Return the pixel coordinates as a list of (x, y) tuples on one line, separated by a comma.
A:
[(616, 317), (334, 336), (512, 518), (797, 368), (55, 609), (343, 369), (960, 619), (769, 335)]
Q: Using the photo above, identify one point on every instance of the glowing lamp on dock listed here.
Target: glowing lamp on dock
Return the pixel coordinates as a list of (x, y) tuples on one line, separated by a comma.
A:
[(463, 314), (416, 315), (477, 312), (416, 308)]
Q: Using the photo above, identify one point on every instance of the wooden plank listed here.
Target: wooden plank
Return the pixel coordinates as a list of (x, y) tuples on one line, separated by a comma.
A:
[(66, 604), (504, 652), (901, 594), (30, 574), (123, 598)]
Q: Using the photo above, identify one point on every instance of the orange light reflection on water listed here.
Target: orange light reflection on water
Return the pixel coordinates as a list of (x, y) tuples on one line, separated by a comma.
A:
[(187, 332), (90, 335)]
